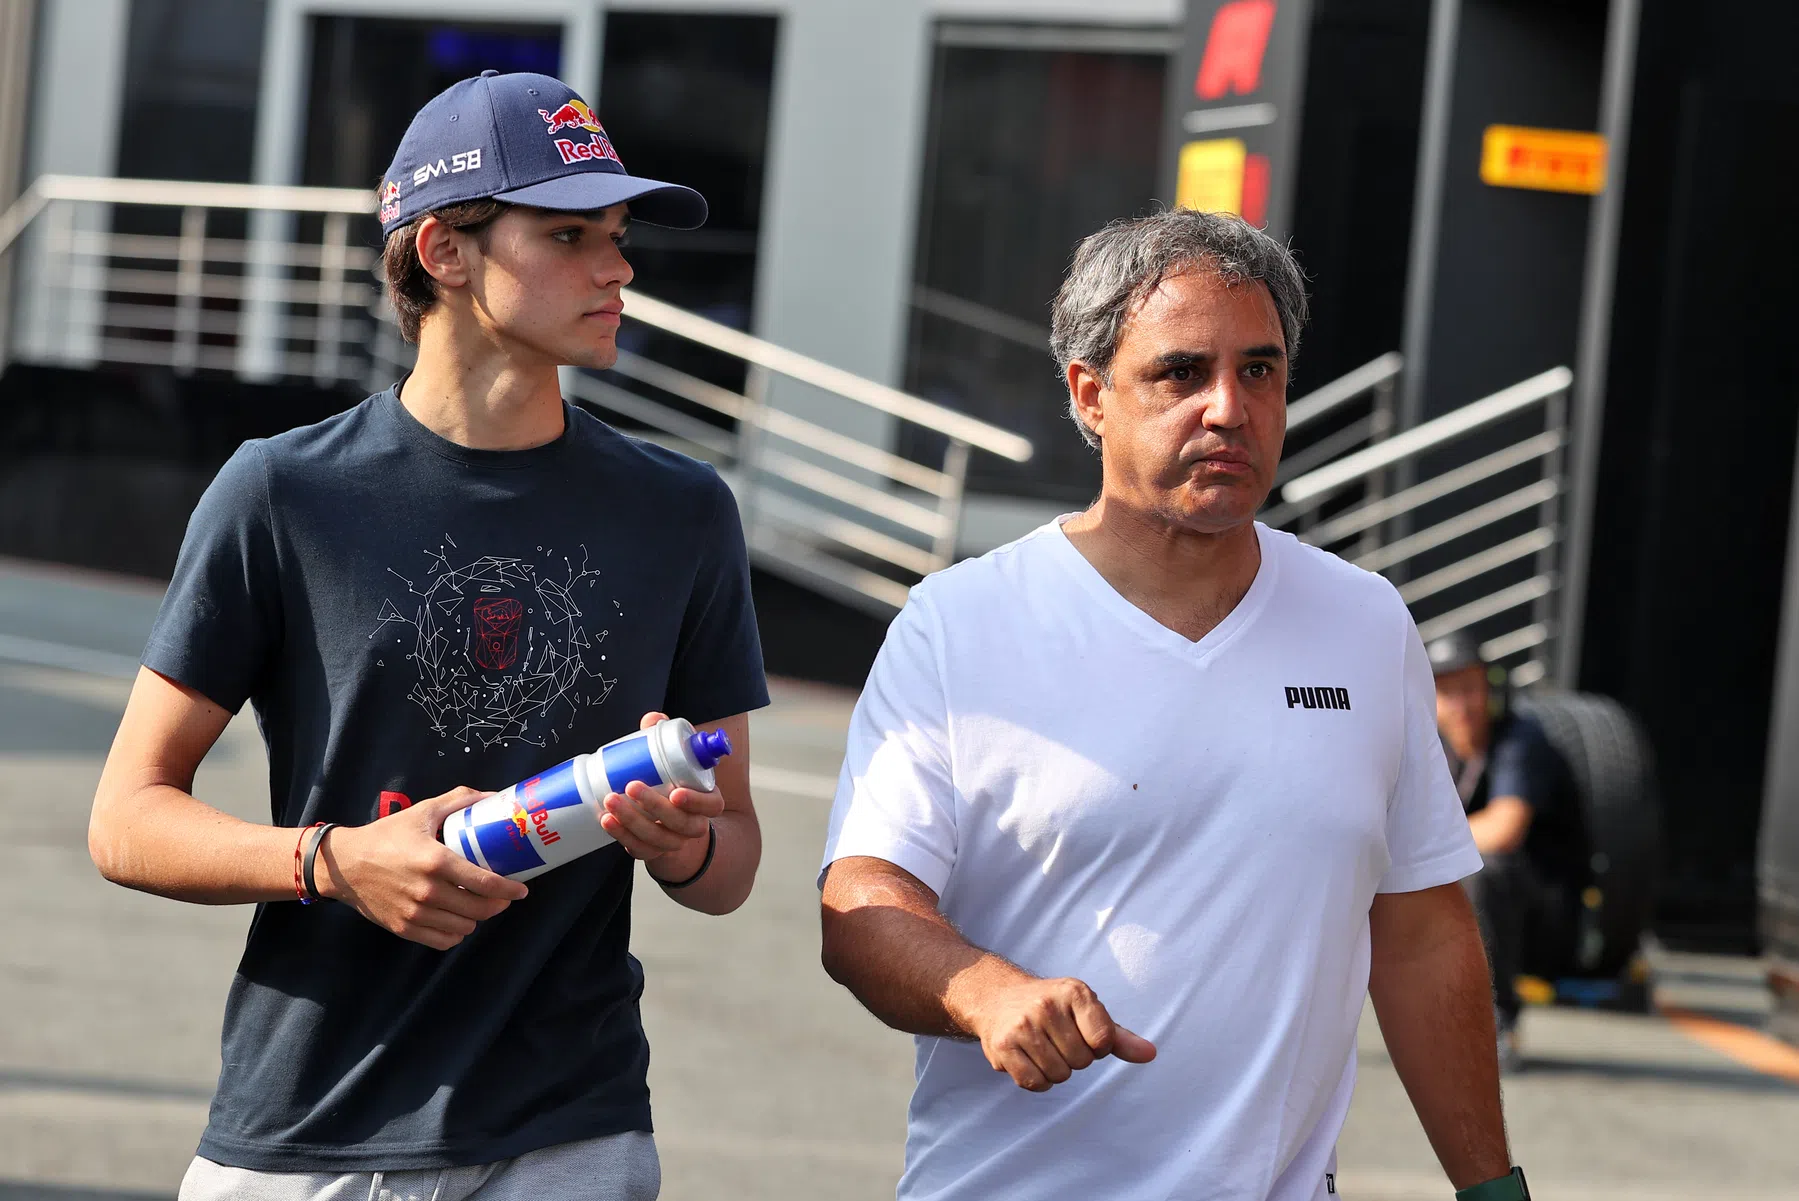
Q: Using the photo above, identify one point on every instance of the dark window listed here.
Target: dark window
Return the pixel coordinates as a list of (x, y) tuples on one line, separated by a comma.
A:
[(192, 72), (371, 74), (1034, 142), (686, 96)]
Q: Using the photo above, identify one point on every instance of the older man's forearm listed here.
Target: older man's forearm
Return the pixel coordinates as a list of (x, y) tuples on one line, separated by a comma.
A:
[(1435, 1003)]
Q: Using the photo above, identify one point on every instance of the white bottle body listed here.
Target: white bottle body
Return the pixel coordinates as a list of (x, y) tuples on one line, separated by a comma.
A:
[(544, 822)]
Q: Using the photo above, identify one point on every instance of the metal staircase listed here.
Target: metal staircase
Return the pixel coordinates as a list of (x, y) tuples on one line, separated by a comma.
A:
[(1463, 512), (272, 283)]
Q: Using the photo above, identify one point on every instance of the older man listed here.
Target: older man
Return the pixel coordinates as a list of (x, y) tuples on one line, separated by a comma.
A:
[(1154, 795)]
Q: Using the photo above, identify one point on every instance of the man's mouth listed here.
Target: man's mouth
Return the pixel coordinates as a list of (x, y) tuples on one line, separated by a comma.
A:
[(1224, 460), (609, 313)]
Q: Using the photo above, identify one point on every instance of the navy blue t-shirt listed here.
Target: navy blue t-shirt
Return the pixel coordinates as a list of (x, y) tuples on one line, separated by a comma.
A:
[(408, 615), (1521, 762)]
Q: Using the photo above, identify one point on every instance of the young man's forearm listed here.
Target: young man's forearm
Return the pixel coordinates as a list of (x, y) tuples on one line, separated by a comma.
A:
[(727, 883), (159, 839), (1435, 1004)]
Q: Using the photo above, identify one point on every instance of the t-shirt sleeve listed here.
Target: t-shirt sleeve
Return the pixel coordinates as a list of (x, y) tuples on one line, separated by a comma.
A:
[(1428, 842), (717, 670), (896, 796), (220, 624), (1525, 765)]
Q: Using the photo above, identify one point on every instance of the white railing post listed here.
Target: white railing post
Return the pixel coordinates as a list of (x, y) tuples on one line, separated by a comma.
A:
[(1555, 420), (752, 432), (1384, 416), (59, 239), (949, 505), (190, 268), (328, 323)]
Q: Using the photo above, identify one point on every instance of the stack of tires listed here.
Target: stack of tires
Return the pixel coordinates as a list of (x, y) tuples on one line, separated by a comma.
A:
[(1609, 755)]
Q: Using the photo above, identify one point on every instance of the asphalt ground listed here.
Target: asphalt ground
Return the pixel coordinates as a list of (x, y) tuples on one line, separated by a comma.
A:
[(769, 1081)]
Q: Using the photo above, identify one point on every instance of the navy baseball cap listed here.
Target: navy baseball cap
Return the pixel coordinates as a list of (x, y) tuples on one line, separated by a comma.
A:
[(524, 139)]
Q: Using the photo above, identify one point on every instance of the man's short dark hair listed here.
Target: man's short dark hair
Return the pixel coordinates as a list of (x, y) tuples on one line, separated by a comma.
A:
[(410, 288), (1117, 268)]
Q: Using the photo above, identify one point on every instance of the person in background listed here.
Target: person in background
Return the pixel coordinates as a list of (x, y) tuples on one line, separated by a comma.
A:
[(1524, 813), (452, 586)]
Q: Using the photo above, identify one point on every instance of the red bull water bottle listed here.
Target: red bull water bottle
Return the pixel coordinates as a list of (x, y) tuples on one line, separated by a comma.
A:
[(552, 818)]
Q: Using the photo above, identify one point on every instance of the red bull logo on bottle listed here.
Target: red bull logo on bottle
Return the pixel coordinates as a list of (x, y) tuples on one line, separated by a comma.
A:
[(555, 817)]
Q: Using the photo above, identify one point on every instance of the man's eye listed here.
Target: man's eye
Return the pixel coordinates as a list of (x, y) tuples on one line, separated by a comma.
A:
[(1258, 370), (1180, 375), (567, 237)]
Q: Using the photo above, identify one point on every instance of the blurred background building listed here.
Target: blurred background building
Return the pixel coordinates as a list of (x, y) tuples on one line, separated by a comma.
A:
[(1572, 212)]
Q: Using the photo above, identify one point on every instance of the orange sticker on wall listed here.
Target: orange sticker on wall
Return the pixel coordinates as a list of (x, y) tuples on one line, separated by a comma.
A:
[(1546, 160)]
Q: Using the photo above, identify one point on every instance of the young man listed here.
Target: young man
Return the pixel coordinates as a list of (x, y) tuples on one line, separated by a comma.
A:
[(1524, 813), (458, 583), (1137, 809)]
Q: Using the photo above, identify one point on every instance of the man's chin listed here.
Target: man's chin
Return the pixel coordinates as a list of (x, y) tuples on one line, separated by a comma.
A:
[(1218, 507), (593, 356)]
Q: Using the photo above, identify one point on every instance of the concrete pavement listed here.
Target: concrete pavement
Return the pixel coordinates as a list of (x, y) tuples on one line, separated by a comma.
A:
[(770, 1082)]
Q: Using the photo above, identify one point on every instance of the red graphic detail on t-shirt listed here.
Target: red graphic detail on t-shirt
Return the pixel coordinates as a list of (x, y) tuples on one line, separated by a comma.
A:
[(393, 802), (1234, 49), (497, 620)]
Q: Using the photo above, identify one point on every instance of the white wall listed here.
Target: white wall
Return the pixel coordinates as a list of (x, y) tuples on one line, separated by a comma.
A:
[(78, 82)]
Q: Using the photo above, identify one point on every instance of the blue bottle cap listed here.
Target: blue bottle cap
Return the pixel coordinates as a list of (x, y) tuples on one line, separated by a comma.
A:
[(709, 746)]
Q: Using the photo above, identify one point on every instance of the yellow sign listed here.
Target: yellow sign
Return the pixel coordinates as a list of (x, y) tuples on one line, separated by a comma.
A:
[(1549, 160), (1210, 176)]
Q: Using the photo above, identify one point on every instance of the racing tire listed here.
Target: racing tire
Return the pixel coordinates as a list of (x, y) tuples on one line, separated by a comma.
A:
[(1613, 767)]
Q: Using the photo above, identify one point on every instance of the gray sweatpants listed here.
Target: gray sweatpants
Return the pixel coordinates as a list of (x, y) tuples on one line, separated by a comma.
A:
[(618, 1167)]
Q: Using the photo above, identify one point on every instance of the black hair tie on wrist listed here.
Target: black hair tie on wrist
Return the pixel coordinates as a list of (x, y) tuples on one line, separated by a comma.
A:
[(711, 850), (312, 854)]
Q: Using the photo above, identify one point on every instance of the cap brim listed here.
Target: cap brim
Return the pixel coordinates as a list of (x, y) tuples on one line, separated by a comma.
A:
[(651, 200)]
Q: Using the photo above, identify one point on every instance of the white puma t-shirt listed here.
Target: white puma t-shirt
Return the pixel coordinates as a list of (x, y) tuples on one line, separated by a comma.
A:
[(1196, 829)]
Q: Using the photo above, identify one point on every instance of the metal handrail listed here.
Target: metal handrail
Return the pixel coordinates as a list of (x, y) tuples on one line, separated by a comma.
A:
[(807, 370), (1375, 512), (1343, 389), (767, 355), (1430, 435), (1479, 580)]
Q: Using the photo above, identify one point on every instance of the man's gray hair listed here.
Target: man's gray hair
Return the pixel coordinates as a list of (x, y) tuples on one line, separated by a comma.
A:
[(1116, 269)]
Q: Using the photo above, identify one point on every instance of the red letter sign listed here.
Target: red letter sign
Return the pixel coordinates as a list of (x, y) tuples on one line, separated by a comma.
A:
[(1234, 49)]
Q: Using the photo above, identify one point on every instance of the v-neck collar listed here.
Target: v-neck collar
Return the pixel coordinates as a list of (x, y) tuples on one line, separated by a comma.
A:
[(1117, 608)]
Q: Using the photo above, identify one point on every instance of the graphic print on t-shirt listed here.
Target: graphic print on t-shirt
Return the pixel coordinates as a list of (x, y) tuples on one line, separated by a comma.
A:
[(503, 651)]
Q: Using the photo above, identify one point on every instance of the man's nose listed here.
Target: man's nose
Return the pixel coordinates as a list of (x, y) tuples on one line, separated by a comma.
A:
[(615, 270), (1225, 406)]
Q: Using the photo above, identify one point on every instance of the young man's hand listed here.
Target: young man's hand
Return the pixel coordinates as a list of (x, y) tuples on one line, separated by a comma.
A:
[(1041, 1032), (394, 872), (669, 828)]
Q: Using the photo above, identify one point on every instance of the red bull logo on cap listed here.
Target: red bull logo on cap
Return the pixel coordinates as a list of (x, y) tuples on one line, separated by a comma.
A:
[(390, 201), (573, 115), (576, 115)]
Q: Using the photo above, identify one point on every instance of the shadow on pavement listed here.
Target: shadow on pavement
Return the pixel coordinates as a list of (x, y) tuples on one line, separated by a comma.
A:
[(14, 1190), (156, 1090), (1738, 1080)]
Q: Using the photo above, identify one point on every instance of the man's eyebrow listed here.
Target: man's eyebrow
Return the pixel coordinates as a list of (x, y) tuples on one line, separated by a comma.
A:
[(1168, 360)]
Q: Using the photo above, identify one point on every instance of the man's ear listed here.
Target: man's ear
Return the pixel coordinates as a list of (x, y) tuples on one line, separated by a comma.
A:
[(1086, 388), (443, 252)]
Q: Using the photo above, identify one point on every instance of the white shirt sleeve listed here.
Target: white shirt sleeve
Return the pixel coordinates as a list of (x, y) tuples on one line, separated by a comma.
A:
[(1428, 842), (895, 796)]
